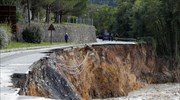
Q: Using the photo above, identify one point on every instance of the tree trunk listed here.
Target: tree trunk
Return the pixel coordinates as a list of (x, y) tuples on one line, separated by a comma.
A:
[(171, 37), (61, 17), (47, 14), (29, 20), (176, 46), (56, 17), (176, 42), (33, 13)]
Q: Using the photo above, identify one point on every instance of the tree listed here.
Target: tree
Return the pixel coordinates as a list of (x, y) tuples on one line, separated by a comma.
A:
[(171, 21), (9, 2), (103, 16), (176, 24), (35, 7), (156, 18), (63, 7), (79, 8), (124, 18), (47, 4)]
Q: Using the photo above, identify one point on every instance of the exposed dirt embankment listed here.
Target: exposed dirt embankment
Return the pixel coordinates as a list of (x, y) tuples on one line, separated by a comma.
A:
[(99, 71)]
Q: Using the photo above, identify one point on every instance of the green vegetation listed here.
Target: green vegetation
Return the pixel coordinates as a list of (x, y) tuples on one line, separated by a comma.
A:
[(58, 8), (64, 7), (104, 17), (33, 34), (14, 45), (158, 19), (3, 38), (10, 2), (5, 35), (50, 10), (7, 28)]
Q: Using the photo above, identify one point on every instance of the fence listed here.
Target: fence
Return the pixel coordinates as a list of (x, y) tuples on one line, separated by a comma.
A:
[(79, 20)]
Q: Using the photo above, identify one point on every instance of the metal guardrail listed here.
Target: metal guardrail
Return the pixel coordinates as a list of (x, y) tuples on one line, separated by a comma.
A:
[(78, 20), (124, 39)]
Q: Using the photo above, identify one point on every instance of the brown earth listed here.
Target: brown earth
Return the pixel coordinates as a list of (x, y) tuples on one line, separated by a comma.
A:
[(111, 70), (104, 71)]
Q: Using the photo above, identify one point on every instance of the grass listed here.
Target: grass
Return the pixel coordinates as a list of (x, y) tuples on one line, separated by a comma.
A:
[(14, 45)]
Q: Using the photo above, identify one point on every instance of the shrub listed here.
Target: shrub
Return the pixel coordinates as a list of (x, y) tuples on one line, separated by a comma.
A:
[(5, 35), (33, 34), (3, 39)]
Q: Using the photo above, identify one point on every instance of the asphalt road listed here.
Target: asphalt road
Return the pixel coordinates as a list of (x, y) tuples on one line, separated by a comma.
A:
[(17, 62)]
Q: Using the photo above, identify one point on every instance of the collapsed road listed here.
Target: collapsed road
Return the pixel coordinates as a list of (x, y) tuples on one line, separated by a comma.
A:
[(17, 63), (97, 71)]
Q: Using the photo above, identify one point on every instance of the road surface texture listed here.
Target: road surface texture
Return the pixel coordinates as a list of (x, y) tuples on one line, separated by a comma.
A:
[(17, 62)]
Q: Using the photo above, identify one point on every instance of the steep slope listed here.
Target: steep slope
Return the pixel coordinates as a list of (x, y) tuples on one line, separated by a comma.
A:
[(98, 71)]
